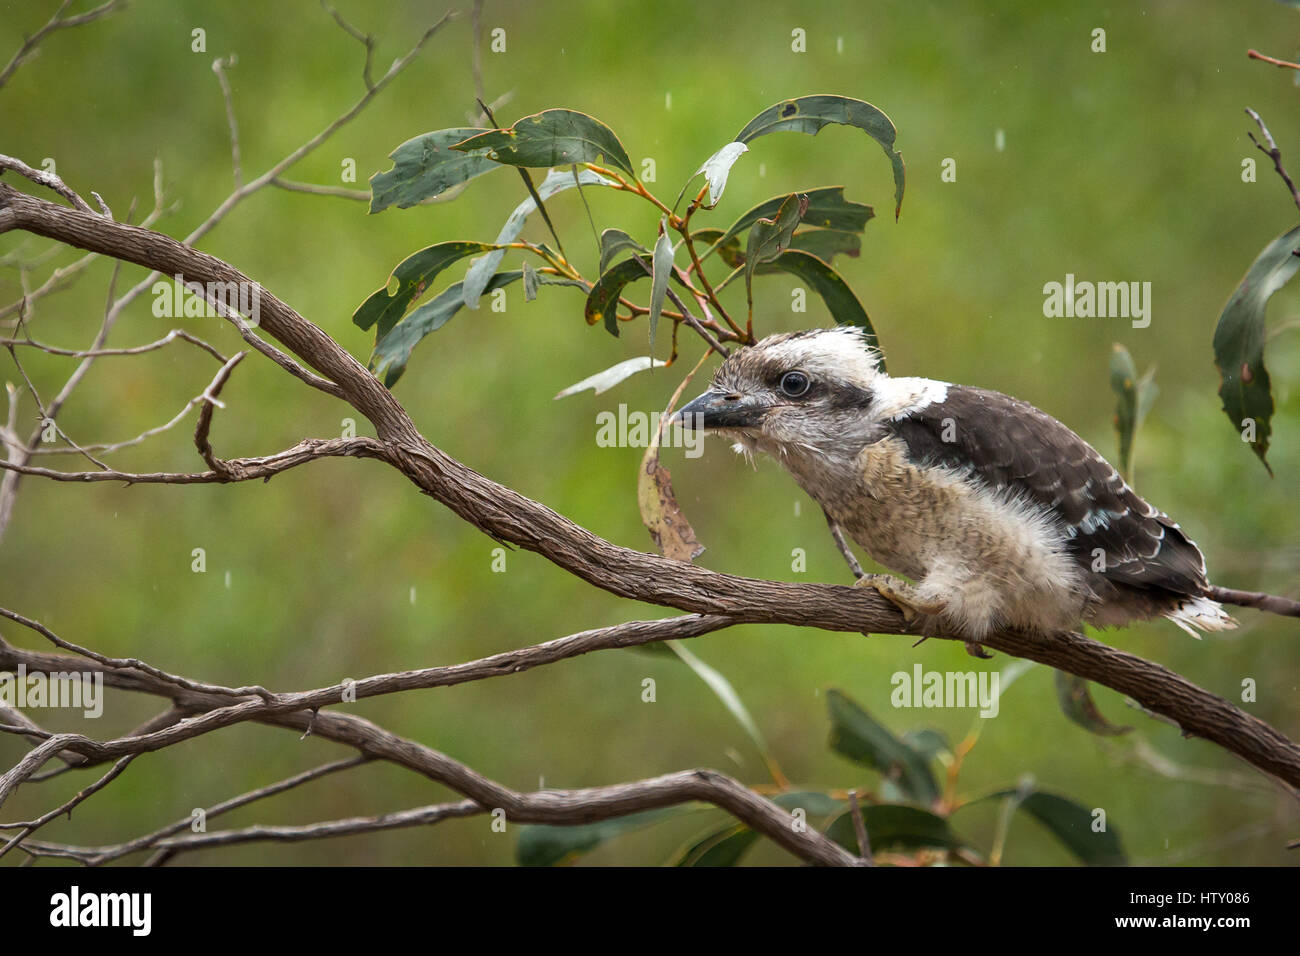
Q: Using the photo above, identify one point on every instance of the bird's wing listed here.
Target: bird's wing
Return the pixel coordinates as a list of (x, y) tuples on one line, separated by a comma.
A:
[(1015, 449)]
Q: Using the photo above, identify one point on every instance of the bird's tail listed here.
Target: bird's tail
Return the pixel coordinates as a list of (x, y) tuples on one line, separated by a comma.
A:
[(1200, 614), (1256, 599)]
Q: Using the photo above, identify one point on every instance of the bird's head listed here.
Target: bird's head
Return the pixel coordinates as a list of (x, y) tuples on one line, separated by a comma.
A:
[(810, 391)]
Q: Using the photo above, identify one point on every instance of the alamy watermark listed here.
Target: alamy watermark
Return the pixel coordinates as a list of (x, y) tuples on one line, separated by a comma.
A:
[(636, 429), (70, 689), (946, 689), (175, 298), (1101, 300)]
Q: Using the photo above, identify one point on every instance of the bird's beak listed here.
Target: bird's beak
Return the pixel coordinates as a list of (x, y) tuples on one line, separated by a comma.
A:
[(716, 409)]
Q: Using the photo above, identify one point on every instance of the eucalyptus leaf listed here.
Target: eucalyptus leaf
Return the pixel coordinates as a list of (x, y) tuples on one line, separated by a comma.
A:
[(614, 241), (1239, 342), (1076, 702), (393, 350), (857, 735), (717, 167), (811, 114), (1123, 382), (425, 167), (383, 308), (602, 300), (827, 209), (1072, 824), (552, 138), (662, 270), (603, 381), (844, 306), (718, 847), (481, 271)]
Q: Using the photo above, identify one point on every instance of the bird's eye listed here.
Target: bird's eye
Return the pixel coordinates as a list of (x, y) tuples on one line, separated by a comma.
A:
[(794, 384)]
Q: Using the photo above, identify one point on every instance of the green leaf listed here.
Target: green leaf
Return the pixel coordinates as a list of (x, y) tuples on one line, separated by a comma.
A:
[(826, 282), (413, 276), (856, 735), (768, 238), (723, 847), (728, 249), (810, 114), (725, 692), (1123, 382), (1077, 704), (483, 269), (827, 209), (614, 241), (662, 266), (892, 826), (604, 381), (1072, 825), (826, 244), (717, 167), (545, 845), (427, 166), (1239, 341), (552, 138), (602, 300), (393, 351)]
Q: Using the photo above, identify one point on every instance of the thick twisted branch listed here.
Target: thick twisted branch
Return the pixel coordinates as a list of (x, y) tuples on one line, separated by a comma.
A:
[(509, 516)]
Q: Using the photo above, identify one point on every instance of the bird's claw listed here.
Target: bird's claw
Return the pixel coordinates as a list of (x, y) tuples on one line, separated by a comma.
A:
[(902, 595), (975, 649)]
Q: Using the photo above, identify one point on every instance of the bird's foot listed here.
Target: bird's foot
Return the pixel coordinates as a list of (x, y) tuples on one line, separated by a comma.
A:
[(902, 595), (976, 649)]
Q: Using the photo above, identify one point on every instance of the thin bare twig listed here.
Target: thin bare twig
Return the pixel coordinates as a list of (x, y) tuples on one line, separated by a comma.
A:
[(1285, 64), (56, 22), (219, 67), (1273, 153)]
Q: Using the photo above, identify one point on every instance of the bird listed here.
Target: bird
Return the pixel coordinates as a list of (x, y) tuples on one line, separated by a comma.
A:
[(1000, 515)]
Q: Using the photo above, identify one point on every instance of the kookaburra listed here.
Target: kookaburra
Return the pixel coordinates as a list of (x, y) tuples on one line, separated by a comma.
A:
[(1002, 516)]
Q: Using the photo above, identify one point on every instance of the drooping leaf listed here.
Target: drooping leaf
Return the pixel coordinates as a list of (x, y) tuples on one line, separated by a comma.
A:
[(476, 278), (1123, 382), (602, 300), (1077, 704), (717, 167), (427, 166), (844, 306), (603, 381), (827, 209), (768, 238), (826, 244), (1239, 342), (856, 735), (892, 826), (725, 692), (413, 276), (717, 847), (810, 114), (1072, 824), (393, 351), (662, 268), (614, 241), (546, 845), (552, 138)]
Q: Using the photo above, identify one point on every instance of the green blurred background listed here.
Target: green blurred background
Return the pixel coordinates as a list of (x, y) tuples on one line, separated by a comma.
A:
[(1124, 165)]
